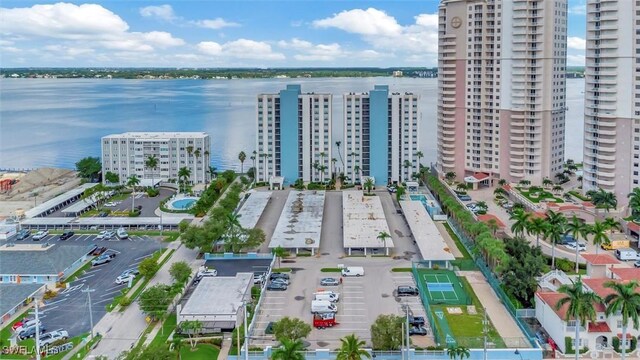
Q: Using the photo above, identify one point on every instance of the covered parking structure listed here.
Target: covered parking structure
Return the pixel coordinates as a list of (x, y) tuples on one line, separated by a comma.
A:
[(252, 208), (83, 205), (300, 223), (106, 223), (430, 242), (58, 202), (363, 220)]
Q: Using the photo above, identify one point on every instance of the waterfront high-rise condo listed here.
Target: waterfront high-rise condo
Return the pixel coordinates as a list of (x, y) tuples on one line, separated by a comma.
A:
[(501, 88), (381, 135), (293, 137), (612, 97), (127, 154)]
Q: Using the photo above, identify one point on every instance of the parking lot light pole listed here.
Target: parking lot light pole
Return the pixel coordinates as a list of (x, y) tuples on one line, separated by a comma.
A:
[(89, 291), (246, 337), (37, 336)]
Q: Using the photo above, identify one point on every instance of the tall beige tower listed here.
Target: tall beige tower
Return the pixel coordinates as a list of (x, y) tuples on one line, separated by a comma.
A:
[(612, 97), (501, 88)]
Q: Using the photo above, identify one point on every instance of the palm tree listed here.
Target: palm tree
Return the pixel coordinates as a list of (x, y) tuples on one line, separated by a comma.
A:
[(353, 155), (368, 184), (289, 350), (604, 199), (176, 345), (612, 224), (196, 153), (132, 182), (351, 349), (458, 352), (599, 232), (450, 176), (419, 155), (213, 171), (502, 182), (581, 307), (152, 164), (338, 143), (316, 167), (634, 201), (521, 219), (537, 226), (356, 170), (626, 301), (500, 191), (333, 165), (557, 188), (279, 252), (577, 228), (242, 157), (183, 174), (462, 187), (546, 182), (554, 234), (407, 165), (482, 205), (383, 236)]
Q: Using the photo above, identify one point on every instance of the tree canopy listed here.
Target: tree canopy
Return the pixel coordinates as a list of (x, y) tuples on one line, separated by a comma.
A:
[(290, 329), (386, 332), (180, 272), (89, 168), (155, 300)]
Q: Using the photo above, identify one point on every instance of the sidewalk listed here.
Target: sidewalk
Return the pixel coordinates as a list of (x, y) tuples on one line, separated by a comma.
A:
[(121, 330), (500, 317)]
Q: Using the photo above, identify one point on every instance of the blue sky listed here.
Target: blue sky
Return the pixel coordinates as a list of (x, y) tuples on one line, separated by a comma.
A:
[(240, 33)]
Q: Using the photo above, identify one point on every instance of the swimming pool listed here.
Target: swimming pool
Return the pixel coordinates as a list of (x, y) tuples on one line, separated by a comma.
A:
[(182, 204)]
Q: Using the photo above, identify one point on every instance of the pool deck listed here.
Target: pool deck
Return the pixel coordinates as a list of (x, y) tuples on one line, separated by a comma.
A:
[(171, 207)]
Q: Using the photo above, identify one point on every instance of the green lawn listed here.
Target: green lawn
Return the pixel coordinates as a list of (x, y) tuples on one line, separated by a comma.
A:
[(542, 195), (201, 352), (168, 326)]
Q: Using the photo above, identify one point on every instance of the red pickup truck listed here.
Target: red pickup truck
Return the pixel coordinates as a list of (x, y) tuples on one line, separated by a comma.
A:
[(325, 320)]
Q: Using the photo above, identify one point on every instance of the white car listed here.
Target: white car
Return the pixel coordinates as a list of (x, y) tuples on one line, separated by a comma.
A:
[(41, 235), (105, 235), (110, 204), (126, 275), (53, 336), (572, 246)]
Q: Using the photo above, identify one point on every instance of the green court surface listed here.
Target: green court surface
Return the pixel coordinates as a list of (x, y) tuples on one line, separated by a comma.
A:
[(443, 287)]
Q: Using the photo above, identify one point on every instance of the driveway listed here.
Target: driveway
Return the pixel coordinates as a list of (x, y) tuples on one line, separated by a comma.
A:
[(149, 205), (69, 310)]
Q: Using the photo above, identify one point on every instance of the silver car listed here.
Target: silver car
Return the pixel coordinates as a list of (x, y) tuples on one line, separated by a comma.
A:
[(329, 282)]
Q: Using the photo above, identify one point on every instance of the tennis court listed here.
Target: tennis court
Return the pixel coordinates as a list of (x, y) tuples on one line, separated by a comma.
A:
[(443, 287)]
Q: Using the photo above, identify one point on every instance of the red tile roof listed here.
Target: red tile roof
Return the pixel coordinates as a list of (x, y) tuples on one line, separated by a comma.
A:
[(480, 176), (507, 187), (552, 298), (599, 327), (587, 204), (597, 285), (626, 273), (486, 217), (633, 226), (600, 259)]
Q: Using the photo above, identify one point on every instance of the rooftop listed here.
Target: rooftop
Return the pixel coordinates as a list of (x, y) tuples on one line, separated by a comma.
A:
[(38, 259), (229, 294), (430, 242), (626, 273), (552, 298), (300, 223), (363, 219), (486, 217), (83, 204), (600, 259), (14, 294), (173, 219), (156, 135), (49, 204), (252, 208)]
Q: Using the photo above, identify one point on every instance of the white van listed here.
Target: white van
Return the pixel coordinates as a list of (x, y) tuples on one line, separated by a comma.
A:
[(626, 254), (327, 297), (353, 271), (323, 306), (122, 234), (335, 294)]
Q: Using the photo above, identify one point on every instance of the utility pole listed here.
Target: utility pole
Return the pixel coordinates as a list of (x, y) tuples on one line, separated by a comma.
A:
[(160, 224), (485, 331), (89, 291), (402, 343), (406, 309), (37, 337), (246, 337)]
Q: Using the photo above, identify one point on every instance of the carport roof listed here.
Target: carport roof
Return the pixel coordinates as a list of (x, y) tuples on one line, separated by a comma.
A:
[(50, 261), (174, 219), (218, 295), (252, 208), (15, 294), (429, 239), (363, 219), (300, 223), (49, 204)]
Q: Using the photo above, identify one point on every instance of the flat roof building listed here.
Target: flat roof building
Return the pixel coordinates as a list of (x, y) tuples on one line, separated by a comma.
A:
[(40, 263), (14, 297), (427, 236), (126, 155), (252, 208), (293, 138), (58, 202), (217, 302), (381, 135), (363, 220), (300, 223)]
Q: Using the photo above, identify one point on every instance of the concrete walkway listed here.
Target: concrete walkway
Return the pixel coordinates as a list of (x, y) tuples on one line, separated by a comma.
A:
[(121, 330), (448, 240), (499, 315), (225, 348)]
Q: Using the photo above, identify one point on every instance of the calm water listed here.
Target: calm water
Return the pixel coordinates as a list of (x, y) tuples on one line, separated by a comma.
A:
[(56, 122)]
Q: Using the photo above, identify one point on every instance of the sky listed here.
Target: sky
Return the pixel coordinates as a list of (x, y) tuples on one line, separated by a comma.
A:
[(236, 33)]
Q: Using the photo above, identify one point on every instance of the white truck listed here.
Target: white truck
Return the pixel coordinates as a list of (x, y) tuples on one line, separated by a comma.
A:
[(353, 271), (625, 254), (328, 297), (323, 306)]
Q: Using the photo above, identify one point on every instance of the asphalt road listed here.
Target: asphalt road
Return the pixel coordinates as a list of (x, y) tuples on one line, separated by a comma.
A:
[(149, 205), (70, 310)]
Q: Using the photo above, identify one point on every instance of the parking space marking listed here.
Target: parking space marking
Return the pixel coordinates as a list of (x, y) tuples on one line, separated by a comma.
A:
[(93, 270), (101, 301), (142, 257), (85, 277), (53, 302), (110, 293), (49, 309)]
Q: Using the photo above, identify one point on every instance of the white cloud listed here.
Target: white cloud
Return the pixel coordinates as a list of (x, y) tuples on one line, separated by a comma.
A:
[(575, 60), (5, 42), (162, 12), (580, 8), (365, 22), (217, 23), (427, 20), (577, 43), (240, 49), (310, 52), (161, 39)]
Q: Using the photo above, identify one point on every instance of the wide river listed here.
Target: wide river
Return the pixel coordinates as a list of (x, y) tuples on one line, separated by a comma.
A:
[(56, 122)]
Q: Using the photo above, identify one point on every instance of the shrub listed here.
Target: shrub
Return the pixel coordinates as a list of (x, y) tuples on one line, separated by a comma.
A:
[(134, 213), (125, 301), (151, 192), (49, 294)]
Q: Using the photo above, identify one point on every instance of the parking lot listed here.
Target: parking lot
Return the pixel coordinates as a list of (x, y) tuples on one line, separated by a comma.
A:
[(69, 310)]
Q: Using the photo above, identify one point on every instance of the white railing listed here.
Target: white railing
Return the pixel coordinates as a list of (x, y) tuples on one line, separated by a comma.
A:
[(546, 280)]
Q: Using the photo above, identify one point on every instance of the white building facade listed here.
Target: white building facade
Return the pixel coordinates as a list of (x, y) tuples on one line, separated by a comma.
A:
[(126, 155), (381, 135), (612, 97), (501, 88), (293, 138)]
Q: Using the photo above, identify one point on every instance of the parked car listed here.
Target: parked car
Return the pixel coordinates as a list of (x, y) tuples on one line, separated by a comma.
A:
[(40, 235), (122, 234), (418, 330), (258, 279), (18, 324), (416, 320), (329, 282), (103, 259), (566, 239), (30, 332), (99, 251), (67, 234), (279, 275), (53, 336), (464, 197), (126, 275), (206, 272), (269, 329), (110, 204), (22, 234), (276, 286), (281, 280), (104, 235), (407, 291), (637, 264), (572, 246), (353, 271)]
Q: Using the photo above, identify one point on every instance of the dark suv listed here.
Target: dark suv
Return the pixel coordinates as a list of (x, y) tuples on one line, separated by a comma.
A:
[(23, 234), (407, 291), (66, 235)]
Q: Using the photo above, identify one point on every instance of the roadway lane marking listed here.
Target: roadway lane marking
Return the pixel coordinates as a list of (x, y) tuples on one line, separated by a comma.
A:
[(94, 270)]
